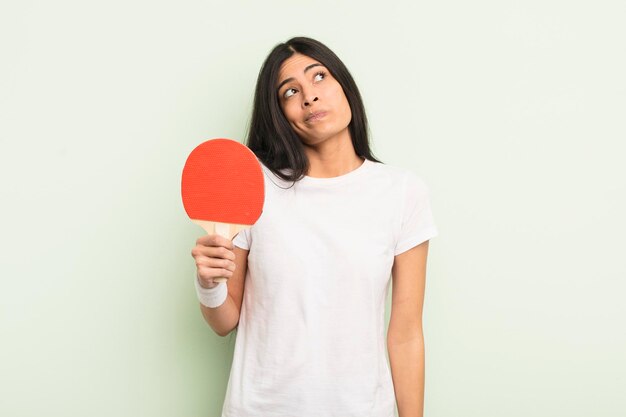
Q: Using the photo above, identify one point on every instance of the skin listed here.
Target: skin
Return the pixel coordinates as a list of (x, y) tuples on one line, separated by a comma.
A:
[(330, 151), (306, 87), (405, 336)]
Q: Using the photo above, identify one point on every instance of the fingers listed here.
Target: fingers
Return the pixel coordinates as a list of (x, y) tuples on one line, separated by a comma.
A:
[(217, 263), (206, 275), (215, 240), (214, 258), (213, 252)]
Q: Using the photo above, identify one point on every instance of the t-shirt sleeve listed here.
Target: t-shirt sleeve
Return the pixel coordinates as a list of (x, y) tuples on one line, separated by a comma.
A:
[(242, 239), (417, 223)]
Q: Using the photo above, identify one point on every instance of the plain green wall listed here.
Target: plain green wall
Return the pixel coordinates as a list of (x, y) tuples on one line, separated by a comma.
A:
[(512, 112)]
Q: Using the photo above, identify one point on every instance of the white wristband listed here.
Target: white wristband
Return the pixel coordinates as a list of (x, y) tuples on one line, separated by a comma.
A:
[(211, 297)]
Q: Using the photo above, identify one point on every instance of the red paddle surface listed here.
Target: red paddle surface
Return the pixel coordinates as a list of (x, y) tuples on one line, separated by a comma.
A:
[(223, 182)]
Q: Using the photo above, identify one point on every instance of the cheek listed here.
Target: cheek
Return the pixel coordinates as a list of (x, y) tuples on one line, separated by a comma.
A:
[(348, 111), (341, 100), (288, 111), (346, 107)]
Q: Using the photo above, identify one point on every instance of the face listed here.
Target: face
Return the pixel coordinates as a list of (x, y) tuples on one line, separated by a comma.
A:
[(312, 100)]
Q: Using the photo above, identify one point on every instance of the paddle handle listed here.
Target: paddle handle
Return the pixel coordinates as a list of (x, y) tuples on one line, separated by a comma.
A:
[(227, 230)]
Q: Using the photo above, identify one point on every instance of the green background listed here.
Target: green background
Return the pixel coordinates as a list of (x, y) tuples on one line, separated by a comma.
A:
[(511, 111)]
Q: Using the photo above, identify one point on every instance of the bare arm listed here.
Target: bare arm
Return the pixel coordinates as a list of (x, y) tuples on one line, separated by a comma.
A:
[(217, 256), (405, 338)]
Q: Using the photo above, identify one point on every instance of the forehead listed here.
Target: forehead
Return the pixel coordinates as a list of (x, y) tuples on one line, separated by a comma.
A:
[(294, 66)]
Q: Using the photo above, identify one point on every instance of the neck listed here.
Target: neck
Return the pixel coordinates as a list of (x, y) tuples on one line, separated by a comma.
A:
[(333, 157)]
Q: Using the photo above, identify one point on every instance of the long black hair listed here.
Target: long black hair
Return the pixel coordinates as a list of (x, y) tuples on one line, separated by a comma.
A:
[(271, 137)]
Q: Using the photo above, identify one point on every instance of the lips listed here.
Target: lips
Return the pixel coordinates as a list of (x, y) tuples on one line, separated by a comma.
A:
[(315, 116)]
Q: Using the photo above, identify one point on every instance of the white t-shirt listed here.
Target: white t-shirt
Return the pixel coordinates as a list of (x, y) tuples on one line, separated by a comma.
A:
[(311, 334)]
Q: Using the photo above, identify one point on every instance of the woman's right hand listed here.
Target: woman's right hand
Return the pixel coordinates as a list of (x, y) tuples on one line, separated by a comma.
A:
[(214, 258)]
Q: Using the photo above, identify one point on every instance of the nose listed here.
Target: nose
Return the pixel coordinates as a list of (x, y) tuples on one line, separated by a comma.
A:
[(309, 100)]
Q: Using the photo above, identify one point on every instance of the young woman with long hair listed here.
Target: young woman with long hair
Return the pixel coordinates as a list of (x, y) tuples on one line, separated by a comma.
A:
[(308, 282)]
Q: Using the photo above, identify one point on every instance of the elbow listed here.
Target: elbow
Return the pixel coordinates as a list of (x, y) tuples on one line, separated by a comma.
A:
[(404, 328), (405, 337), (223, 332), (222, 322)]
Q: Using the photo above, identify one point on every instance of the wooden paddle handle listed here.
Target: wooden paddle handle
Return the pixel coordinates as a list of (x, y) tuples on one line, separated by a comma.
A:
[(226, 230)]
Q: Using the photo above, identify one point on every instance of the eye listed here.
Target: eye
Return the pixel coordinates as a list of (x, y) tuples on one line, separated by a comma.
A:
[(289, 92), (319, 76)]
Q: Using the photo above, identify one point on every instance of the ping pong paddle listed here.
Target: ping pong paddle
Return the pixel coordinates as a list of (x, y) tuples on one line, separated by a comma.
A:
[(223, 188)]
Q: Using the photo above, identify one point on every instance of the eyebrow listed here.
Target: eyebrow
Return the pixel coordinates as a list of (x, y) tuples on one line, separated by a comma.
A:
[(283, 82)]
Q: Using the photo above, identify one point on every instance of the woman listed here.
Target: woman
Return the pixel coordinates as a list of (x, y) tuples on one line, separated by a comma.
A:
[(308, 282)]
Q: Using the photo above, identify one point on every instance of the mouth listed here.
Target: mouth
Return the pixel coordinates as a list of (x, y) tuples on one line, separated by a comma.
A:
[(315, 116)]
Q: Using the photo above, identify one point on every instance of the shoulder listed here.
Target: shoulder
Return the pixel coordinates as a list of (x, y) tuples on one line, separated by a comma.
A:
[(399, 177), (270, 176)]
